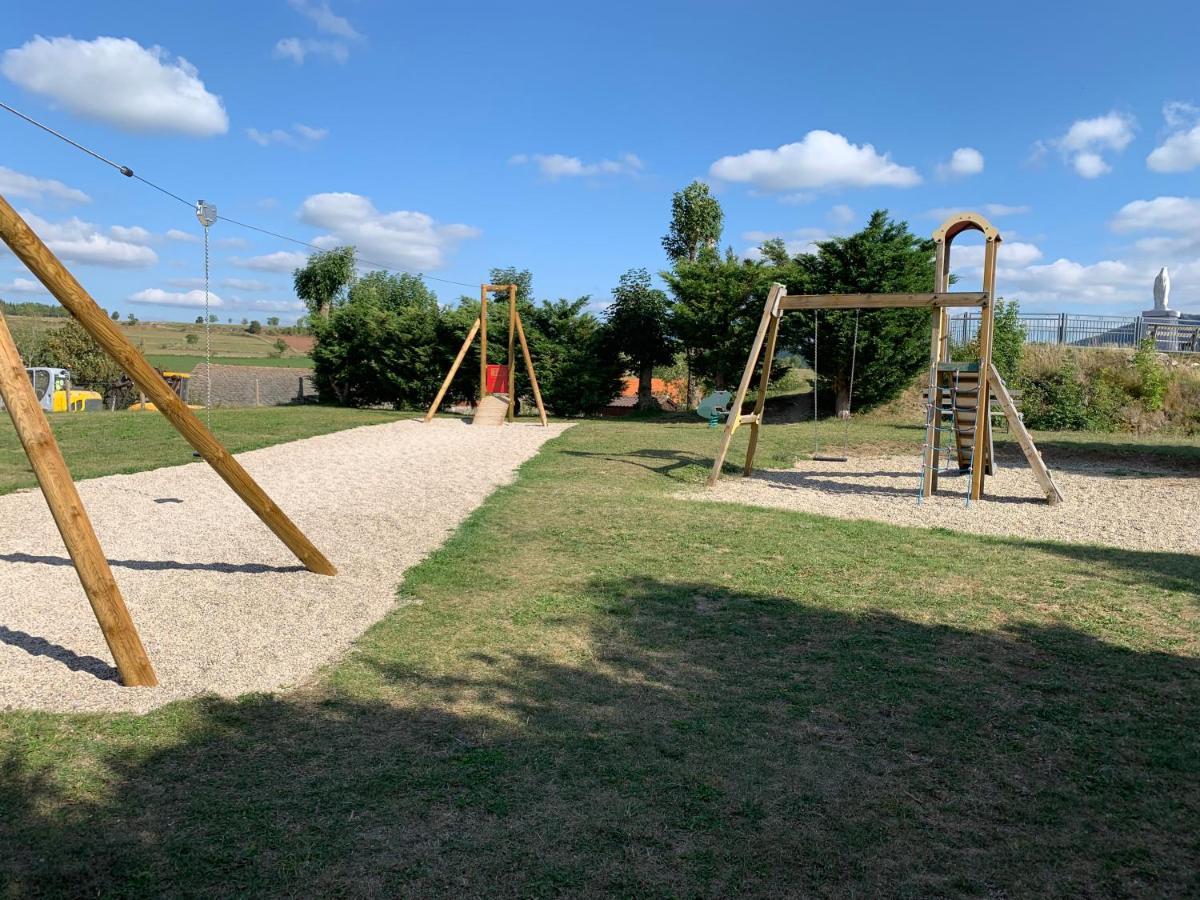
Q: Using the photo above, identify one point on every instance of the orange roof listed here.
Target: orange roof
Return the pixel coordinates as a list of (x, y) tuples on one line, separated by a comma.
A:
[(673, 389)]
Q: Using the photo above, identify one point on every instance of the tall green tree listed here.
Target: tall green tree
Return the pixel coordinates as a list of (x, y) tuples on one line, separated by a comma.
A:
[(696, 223), (578, 368), (718, 305), (639, 323), (893, 344), (324, 279)]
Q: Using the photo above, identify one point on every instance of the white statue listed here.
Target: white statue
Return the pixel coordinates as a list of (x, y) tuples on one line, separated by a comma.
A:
[(1162, 290)]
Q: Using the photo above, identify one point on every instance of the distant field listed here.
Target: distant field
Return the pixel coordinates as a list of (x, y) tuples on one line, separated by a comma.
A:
[(178, 362)]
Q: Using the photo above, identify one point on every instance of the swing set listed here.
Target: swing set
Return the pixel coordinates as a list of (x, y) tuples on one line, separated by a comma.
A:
[(958, 395)]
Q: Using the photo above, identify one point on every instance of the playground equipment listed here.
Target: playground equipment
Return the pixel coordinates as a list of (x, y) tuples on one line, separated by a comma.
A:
[(714, 407), (497, 397), (46, 459), (957, 391)]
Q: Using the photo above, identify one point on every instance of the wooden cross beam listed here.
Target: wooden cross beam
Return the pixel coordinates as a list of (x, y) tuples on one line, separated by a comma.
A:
[(883, 301)]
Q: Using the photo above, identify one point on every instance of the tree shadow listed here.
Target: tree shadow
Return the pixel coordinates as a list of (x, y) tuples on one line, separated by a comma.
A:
[(1178, 572), (710, 742), (670, 461), (157, 565)]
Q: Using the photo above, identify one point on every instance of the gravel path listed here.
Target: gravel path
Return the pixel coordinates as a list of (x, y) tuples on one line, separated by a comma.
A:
[(221, 605), (1137, 506)]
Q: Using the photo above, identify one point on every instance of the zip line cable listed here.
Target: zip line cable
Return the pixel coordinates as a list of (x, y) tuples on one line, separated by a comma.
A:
[(129, 173)]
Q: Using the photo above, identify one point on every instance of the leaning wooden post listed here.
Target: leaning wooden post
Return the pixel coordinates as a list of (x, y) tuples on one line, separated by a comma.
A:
[(734, 418), (761, 402), (462, 352), (537, 394), (71, 518), (29, 248), (512, 338)]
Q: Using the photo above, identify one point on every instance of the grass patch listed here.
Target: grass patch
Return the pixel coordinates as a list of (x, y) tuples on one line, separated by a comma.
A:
[(108, 443), (596, 689)]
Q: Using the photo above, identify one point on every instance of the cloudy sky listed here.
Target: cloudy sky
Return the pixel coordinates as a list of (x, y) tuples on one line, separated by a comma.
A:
[(453, 137)]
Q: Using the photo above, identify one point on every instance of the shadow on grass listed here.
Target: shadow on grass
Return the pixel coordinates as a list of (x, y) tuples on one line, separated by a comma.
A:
[(1169, 571), (660, 462), (708, 743)]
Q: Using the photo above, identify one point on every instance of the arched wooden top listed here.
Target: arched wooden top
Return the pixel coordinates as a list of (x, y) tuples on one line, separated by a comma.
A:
[(966, 221)]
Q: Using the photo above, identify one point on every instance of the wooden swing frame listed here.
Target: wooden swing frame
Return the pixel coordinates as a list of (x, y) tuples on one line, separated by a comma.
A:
[(37, 439), (516, 331), (939, 302)]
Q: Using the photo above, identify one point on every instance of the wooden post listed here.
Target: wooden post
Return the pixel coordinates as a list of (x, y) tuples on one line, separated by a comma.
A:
[(483, 292), (462, 352), (931, 458), (761, 401), (537, 394), (983, 399), (29, 248), (71, 518), (512, 337), (770, 311)]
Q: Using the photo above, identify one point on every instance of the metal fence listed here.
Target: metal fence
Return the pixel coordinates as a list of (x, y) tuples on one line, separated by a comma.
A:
[(1091, 331)]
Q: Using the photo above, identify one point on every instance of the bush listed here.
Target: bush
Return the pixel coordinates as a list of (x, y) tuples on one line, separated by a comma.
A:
[(1152, 376), (255, 326), (190, 339), (71, 347), (1055, 401)]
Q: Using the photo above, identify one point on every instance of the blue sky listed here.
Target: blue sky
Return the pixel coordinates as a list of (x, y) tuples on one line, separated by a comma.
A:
[(453, 137)]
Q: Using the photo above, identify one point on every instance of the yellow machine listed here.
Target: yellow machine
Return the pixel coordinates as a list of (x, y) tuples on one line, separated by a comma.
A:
[(178, 382), (55, 394)]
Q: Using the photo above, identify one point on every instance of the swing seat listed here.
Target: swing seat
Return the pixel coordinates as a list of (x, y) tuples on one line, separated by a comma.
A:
[(824, 457)]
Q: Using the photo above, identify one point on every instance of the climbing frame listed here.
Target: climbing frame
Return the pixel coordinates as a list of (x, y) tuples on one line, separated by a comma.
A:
[(958, 391)]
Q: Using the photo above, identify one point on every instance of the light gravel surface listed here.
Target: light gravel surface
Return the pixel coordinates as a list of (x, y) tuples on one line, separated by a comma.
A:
[(1138, 506), (220, 603)]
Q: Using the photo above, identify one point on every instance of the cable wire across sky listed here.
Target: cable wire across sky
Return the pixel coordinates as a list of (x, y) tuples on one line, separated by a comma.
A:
[(130, 173)]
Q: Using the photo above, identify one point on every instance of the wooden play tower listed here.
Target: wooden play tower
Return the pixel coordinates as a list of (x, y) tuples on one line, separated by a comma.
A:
[(957, 391), (497, 396)]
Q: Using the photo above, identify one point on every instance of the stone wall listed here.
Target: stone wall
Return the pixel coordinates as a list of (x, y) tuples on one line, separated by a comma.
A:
[(251, 385)]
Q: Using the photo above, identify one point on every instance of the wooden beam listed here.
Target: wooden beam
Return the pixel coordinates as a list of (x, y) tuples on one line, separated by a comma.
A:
[(1025, 439), (462, 352), (483, 292), (91, 565), (930, 457), (29, 248), (512, 338), (537, 394), (756, 420), (734, 418), (883, 301)]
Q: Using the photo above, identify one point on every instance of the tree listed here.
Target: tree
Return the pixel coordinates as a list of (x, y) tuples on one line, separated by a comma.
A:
[(70, 347), (325, 279), (131, 318), (116, 316), (381, 344), (639, 324), (718, 305), (213, 318), (696, 223), (255, 326), (578, 368), (190, 338), (245, 321), (199, 320), (273, 321), (893, 344)]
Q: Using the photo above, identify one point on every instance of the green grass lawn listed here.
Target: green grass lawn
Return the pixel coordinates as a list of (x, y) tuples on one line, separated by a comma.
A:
[(106, 443), (182, 362), (595, 688)]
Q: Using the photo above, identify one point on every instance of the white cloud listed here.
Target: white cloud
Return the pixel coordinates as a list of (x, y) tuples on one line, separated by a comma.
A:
[(82, 242), (29, 187), (557, 165), (276, 305), (299, 135), (969, 257), (244, 284), (232, 243), (963, 162), (841, 215), (403, 238), (174, 234), (1180, 152), (1003, 209), (280, 261), (23, 286), (821, 160), (299, 49), (1086, 140), (325, 18), (1089, 164), (1159, 214), (118, 81), (159, 297), (1065, 281), (132, 234)]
